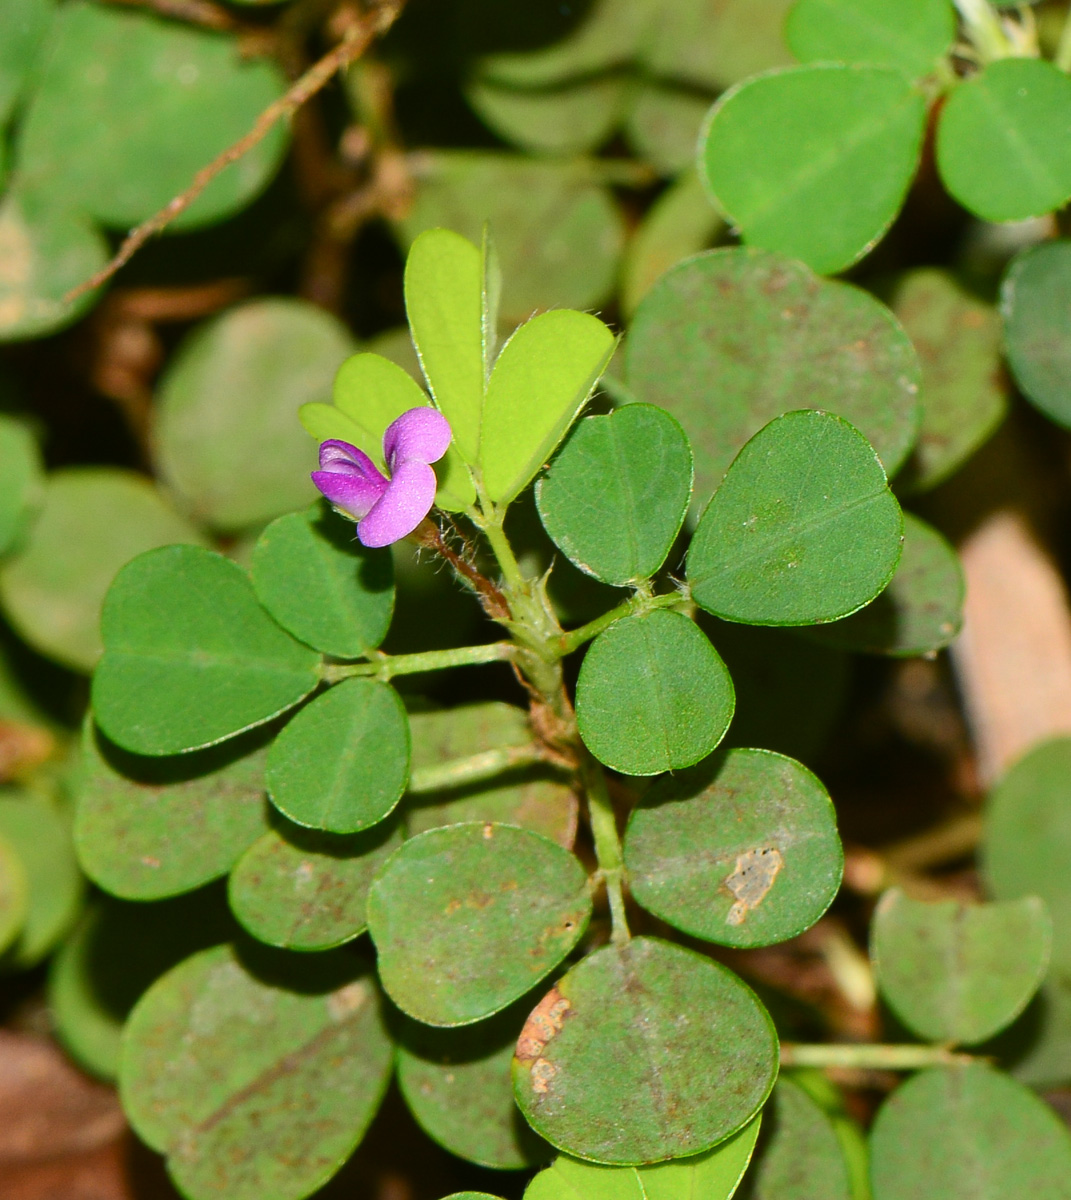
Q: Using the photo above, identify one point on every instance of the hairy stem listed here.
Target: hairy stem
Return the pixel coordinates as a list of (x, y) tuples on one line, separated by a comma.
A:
[(413, 664), (871, 1057), (512, 574), (475, 768), (607, 844)]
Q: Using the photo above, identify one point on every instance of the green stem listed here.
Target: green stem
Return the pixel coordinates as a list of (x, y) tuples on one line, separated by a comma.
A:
[(1063, 51), (429, 660), (607, 845), (473, 769), (871, 1057), (512, 574), (983, 27), (575, 638)]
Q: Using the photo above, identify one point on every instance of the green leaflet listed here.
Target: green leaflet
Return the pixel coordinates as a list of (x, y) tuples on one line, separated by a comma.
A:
[(21, 480), (1035, 298), (959, 973), (803, 529), (190, 656), (814, 161), (803, 1159)]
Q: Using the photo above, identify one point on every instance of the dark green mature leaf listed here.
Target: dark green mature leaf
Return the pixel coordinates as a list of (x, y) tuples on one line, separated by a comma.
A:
[(342, 763), (535, 799), (728, 340), (802, 1158), (540, 381), (968, 1133), (743, 850), (301, 889), (814, 161), (921, 610), (911, 36), (40, 837), (608, 1071), (48, 250), (468, 918), (14, 895), (1035, 300), (457, 1084), (147, 828), (1027, 837), (1002, 146), (267, 1096), (23, 25), (1037, 1048), (678, 224), (803, 529), (615, 498), (115, 953), (128, 107), (190, 656), (653, 695), (227, 437), (92, 521), (964, 394), (557, 206), (21, 479), (711, 1176), (954, 972), (314, 577)]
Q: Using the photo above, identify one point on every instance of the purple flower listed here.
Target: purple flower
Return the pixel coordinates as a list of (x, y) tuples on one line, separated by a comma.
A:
[(386, 510)]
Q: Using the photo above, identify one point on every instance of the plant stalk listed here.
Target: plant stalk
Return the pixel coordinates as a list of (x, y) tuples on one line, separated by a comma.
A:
[(983, 26), (474, 769), (872, 1057), (607, 845), (575, 638), (388, 666)]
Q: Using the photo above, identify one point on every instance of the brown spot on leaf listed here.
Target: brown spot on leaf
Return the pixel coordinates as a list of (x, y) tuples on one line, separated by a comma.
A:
[(488, 831), (545, 1021), (752, 878), (542, 1073)]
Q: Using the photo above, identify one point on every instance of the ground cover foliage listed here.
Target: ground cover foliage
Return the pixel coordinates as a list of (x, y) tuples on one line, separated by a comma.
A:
[(508, 857)]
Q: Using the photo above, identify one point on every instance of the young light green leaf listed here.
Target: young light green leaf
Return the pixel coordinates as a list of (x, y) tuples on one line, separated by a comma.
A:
[(342, 764), (227, 438), (606, 1070), (964, 392), (712, 1176), (540, 381), (728, 340), (190, 656), (122, 161), (968, 1133), (92, 521), (21, 479), (301, 889), (615, 498), (803, 1159), (458, 1086), (910, 36), (40, 836), (954, 972), (269, 1097), (784, 155), (468, 918), (803, 529), (322, 585), (148, 828), (1035, 299), (653, 695), (444, 299), (743, 850), (920, 612), (1002, 145)]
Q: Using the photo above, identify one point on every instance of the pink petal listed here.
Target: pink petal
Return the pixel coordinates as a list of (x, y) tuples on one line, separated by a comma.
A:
[(419, 435), (405, 503), (349, 478)]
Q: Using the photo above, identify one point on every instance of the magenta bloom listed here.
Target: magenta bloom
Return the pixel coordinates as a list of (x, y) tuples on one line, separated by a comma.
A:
[(386, 509)]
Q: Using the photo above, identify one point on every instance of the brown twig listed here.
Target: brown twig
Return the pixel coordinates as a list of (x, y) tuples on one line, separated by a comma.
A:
[(356, 39), (195, 12)]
